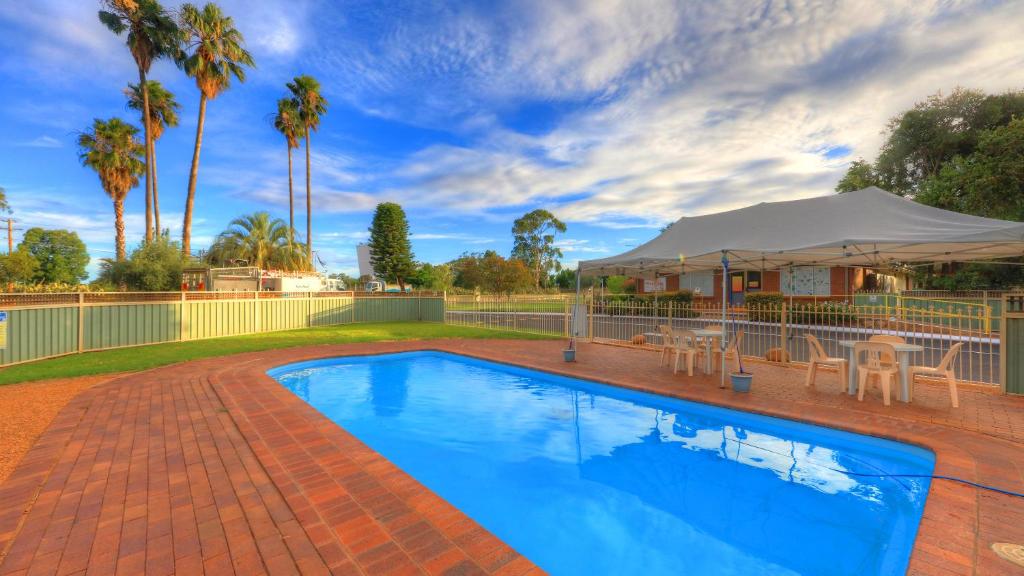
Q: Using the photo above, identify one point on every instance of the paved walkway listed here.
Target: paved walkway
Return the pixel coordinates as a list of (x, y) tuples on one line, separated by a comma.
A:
[(212, 467)]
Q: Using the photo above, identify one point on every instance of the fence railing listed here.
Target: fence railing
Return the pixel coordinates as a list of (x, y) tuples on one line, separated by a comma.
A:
[(48, 325), (774, 334)]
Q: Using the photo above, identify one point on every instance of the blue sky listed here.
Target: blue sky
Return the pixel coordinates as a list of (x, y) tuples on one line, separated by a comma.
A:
[(618, 116)]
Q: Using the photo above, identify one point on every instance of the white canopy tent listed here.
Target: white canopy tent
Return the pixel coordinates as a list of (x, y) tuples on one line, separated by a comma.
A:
[(869, 227)]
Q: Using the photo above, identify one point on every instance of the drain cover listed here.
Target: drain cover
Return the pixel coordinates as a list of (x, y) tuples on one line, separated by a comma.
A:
[(1012, 552)]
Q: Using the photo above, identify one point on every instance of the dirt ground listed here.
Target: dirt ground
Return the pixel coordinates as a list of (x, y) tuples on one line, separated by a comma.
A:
[(26, 410)]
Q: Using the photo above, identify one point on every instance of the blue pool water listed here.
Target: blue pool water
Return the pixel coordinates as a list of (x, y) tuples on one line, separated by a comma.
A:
[(584, 478)]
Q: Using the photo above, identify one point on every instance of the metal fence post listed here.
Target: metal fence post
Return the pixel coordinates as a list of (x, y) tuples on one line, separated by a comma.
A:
[(783, 329), (81, 322), (181, 318)]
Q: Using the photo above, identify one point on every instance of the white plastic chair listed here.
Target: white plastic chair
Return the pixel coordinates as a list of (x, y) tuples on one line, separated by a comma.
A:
[(820, 358), (943, 370)]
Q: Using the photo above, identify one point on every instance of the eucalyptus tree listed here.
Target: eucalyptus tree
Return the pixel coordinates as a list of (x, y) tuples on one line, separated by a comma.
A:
[(312, 105), (163, 114), (214, 54), (151, 34), (110, 147)]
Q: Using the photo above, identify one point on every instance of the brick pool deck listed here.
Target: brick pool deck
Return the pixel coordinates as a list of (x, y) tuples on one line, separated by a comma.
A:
[(211, 466)]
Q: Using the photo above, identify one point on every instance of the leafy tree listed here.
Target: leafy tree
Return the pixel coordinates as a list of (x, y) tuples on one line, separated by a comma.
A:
[(163, 114), (390, 249), (534, 243), (261, 241), (920, 141), (288, 123), (431, 277), (112, 150), (153, 267), (18, 267), (215, 55), (4, 206), (152, 34), (489, 272), (860, 175), (989, 182), (350, 281), (60, 254), (565, 279), (311, 106)]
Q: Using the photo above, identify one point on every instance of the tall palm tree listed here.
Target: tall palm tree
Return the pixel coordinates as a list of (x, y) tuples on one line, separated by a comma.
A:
[(214, 54), (289, 124), (260, 240), (152, 34), (113, 151), (312, 105), (163, 114)]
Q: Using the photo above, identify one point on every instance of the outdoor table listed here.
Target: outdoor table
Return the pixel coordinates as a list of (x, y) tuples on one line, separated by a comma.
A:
[(708, 336), (902, 357)]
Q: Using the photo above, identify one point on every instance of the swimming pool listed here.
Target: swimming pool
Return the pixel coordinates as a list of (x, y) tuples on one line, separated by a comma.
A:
[(584, 478)]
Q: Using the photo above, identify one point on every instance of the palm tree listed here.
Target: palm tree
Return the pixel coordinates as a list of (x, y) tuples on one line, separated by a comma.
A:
[(289, 125), (311, 104), (163, 114), (259, 240), (112, 150), (152, 34), (215, 54)]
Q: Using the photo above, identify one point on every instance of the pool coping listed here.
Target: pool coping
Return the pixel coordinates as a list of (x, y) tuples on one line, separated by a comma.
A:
[(315, 464)]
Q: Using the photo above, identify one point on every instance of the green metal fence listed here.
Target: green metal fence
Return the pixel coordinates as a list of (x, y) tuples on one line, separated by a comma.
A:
[(1013, 337), (46, 325)]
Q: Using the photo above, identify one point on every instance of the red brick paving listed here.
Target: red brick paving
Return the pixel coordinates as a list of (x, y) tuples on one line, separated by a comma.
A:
[(212, 467)]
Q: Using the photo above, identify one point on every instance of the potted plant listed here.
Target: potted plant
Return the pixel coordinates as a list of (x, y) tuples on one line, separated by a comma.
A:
[(570, 352), (740, 380)]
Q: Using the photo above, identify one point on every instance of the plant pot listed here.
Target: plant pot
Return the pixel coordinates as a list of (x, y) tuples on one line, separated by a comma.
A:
[(570, 355), (741, 381)]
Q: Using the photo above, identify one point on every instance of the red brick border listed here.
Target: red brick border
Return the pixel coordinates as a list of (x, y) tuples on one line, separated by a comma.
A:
[(211, 465)]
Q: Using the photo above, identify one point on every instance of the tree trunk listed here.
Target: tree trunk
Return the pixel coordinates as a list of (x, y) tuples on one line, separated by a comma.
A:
[(156, 198), (291, 198), (119, 228), (186, 227), (309, 209), (149, 155)]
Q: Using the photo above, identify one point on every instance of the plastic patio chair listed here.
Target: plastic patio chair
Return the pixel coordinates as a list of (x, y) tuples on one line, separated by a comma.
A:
[(820, 358), (667, 345), (943, 370), (683, 347), (870, 362), (890, 339)]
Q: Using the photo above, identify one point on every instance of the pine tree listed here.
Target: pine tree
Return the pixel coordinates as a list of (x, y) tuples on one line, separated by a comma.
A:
[(390, 249)]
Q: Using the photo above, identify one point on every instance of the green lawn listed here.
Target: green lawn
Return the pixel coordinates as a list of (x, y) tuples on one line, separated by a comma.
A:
[(141, 358)]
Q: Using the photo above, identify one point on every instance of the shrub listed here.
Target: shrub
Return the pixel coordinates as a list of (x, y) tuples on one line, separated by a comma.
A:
[(764, 306), (827, 313), (647, 305)]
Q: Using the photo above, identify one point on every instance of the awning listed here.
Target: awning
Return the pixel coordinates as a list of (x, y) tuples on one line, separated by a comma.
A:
[(869, 227)]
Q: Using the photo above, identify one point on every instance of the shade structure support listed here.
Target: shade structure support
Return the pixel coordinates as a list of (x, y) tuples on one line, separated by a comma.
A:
[(723, 341)]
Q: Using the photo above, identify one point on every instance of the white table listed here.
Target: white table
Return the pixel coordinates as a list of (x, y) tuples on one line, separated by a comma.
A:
[(707, 336), (902, 357)]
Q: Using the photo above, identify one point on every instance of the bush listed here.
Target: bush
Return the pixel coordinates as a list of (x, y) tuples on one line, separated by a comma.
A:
[(827, 313), (764, 306), (644, 304), (153, 267)]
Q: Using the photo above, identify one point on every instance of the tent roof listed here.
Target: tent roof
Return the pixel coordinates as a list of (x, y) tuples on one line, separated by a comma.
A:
[(869, 227)]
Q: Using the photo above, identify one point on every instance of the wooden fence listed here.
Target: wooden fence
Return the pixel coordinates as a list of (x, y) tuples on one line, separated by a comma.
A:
[(48, 325)]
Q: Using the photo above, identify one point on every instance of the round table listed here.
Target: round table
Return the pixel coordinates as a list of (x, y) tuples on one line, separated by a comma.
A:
[(903, 351)]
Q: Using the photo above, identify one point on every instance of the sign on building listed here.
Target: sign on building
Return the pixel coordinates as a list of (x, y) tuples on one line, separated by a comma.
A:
[(657, 285), (3, 330)]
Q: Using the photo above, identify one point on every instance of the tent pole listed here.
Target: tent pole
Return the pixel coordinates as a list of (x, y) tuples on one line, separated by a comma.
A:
[(575, 307), (725, 298)]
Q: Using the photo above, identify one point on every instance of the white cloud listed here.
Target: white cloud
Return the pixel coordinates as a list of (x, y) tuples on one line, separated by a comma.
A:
[(674, 109), (44, 142)]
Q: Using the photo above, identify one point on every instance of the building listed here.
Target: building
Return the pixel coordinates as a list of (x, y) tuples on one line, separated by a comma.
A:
[(817, 281)]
